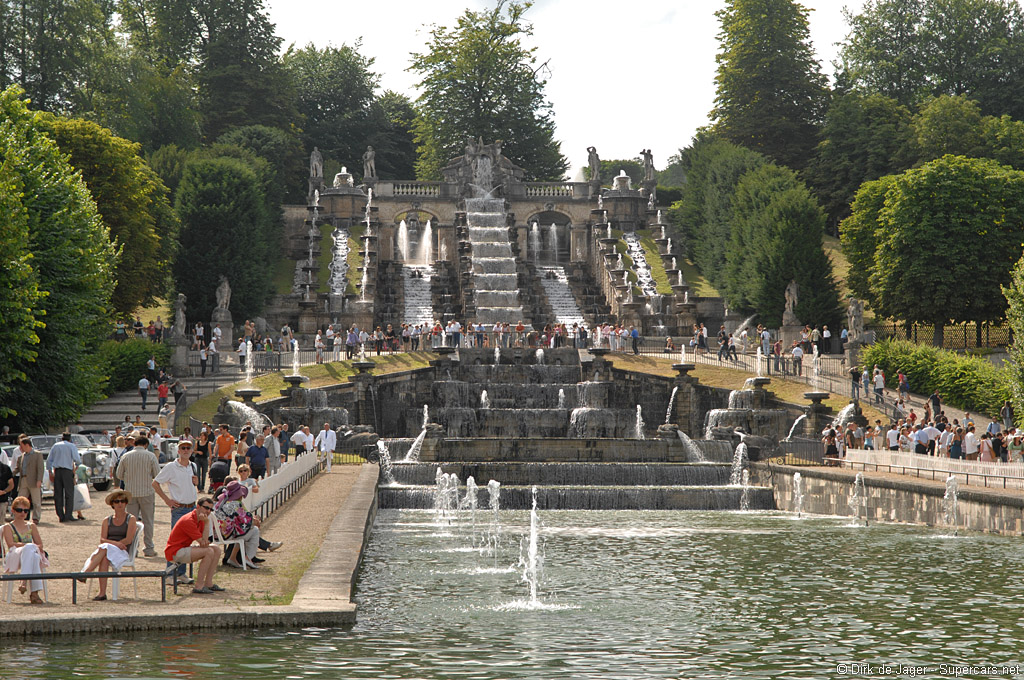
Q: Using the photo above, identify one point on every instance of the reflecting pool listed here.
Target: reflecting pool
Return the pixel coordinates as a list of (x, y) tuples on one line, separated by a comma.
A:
[(622, 594)]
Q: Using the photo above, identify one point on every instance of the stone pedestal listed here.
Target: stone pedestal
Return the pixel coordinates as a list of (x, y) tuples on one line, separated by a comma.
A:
[(818, 415), (790, 334), (222, 317), (179, 353)]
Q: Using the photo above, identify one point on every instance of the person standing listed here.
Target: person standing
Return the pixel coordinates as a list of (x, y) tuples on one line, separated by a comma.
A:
[(204, 355), (214, 351), (144, 390), (181, 495), (325, 442), (1006, 413), (879, 386), (61, 463), (256, 457), (284, 438), (201, 456), (137, 469), (273, 444), (798, 360), (30, 469)]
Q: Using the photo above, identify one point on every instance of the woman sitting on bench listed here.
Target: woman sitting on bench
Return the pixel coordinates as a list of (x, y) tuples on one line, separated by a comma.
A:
[(116, 535)]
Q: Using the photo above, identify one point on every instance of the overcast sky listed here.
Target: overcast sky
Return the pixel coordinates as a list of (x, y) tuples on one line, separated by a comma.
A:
[(624, 75)]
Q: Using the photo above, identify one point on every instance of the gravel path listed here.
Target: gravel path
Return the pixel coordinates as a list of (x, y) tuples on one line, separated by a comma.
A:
[(302, 524)]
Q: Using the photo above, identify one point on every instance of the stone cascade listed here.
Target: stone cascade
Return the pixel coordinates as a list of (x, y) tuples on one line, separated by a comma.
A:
[(559, 296), (495, 273), (418, 302)]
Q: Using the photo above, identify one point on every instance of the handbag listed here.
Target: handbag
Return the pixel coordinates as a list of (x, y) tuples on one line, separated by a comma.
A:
[(82, 500)]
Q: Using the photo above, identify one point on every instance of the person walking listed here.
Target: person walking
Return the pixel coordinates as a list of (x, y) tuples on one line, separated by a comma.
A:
[(144, 390), (325, 442), (204, 356), (61, 463), (137, 469)]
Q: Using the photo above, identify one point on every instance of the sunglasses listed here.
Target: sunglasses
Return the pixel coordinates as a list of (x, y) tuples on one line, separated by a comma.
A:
[(206, 507), (25, 510), (120, 500)]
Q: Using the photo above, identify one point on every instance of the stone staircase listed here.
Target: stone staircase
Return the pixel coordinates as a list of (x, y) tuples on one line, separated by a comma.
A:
[(107, 413)]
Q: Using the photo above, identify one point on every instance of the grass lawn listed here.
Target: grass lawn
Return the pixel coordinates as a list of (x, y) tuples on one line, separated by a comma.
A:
[(699, 285), (841, 267), (323, 273), (355, 260), (789, 391), (655, 262), (320, 375), (159, 307), (284, 276)]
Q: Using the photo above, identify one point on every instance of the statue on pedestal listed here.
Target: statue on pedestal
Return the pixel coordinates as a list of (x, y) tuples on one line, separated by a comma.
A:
[(369, 164), (648, 158), (855, 319), (316, 163), (179, 316), (595, 164), (792, 298), (223, 293)]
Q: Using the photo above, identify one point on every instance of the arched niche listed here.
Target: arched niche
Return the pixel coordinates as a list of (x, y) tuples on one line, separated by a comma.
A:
[(548, 242)]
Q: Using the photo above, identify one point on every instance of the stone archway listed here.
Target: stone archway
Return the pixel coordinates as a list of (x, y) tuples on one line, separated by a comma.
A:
[(548, 241), (412, 227)]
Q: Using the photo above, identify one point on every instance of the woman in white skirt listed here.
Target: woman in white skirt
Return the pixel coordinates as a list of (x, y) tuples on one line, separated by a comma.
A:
[(116, 535)]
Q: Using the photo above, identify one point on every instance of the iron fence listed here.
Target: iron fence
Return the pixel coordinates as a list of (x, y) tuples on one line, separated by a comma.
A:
[(971, 335)]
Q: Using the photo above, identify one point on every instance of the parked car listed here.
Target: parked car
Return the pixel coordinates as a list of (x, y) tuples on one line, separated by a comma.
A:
[(98, 459)]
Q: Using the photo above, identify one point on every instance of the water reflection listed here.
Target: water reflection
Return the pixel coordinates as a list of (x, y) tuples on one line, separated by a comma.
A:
[(632, 594)]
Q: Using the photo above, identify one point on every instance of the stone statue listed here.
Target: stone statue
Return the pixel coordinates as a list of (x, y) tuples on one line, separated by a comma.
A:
[(595, 164), (316, 163), (369, 164), (471, 149), (651, 200), (648, 164), (223, 293), (179, 316), (792, 296), (855, 318)]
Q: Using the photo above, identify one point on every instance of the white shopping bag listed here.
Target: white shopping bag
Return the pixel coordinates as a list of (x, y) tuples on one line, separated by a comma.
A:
[(82, 501)]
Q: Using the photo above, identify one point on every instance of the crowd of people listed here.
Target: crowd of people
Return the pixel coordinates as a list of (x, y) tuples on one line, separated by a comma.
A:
[(140, 478)]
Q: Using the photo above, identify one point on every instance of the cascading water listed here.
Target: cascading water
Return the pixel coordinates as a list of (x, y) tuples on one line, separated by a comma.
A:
[(859, 500), (497, 356), (540, 357), (796, 424), (739, 464), (530, 560), (694, 454), (295, 358), (497, 294), (561, 398), (425, 249), (249, 362), (845, 415), (386, 466), (403, 240), (639, 426), (414, 451), (535, 243), (798, 494), (553, 235), (949, 503), (485, 402), (249, 414), (745, 495), (469, 501)]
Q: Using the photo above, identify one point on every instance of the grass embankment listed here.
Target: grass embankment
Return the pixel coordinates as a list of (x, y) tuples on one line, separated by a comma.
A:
[(159, 307), (284, 276), (789, 391), (355, 260), (320, 375), (655, 262), (699, 284)]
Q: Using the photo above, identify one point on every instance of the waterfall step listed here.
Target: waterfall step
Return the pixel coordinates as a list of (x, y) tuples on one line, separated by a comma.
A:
[(596, 497), (560, 297), (568, 474)]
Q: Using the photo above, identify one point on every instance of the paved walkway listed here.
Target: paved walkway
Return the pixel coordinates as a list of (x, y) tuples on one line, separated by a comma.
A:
[(307, 524)]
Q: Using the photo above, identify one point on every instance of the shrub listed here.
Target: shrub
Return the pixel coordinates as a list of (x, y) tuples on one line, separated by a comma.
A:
[(966, 382), (125, 362)]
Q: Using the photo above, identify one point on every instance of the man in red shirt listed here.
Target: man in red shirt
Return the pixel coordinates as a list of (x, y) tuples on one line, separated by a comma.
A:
[(161, 393), (190, 529)]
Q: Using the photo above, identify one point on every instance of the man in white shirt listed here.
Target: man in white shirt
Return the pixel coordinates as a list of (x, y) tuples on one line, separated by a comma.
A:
[(971, 444), (933, 433), (798, 358), (892, 438), (182, 493), (214, 351), (302, 440), (144, 391), (879, 387), (325, 442)]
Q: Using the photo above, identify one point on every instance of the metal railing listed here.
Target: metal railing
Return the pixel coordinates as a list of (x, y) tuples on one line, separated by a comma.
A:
[(170, 572), (937, 468)]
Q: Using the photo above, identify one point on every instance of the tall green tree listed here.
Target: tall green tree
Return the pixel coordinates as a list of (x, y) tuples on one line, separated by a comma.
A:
[(72, 257), (19, 282), (859, 234), (221, 207), (283, 153), (912, 49), (478, 80), (776, 238), (51, 48), (771, 94), (948, 125), (132, 202), (865, 137), (1014, 294), (921, 271), (392, 117)]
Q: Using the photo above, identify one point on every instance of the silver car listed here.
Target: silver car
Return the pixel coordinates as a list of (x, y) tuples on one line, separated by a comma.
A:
[(96, 458)]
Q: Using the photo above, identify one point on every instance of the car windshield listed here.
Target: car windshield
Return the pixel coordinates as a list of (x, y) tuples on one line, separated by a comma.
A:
[(99, 439), (43, 442), (81, 441)]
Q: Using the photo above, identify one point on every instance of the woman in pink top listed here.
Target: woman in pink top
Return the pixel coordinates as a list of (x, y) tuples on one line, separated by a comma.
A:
[(985, 449)]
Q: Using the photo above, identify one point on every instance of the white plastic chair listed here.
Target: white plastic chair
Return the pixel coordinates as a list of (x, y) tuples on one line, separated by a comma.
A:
[(133, 551), (9, 585), (218, 539)]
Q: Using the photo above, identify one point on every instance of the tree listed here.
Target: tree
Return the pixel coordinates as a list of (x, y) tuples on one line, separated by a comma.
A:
[(220, 205), (633, 167), (51, 48), (883, 52), (282, 152), (858, 234), (72, 257), (948, 125), (865, 137), (771, 93), (1014, 294), (392, 117), (776, 238), (477, 80), (19, 283), (1003, 140), (334, 89), (132, 202), (911, 49), (921, 271)]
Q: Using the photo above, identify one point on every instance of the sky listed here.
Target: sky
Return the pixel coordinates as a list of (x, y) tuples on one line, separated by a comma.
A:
[(623, 77)]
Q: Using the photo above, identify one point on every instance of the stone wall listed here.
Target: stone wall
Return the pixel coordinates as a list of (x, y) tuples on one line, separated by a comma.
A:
[(893, 498)]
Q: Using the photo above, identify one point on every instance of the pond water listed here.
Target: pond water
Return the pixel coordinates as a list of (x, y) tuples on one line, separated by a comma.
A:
[(623, 594)]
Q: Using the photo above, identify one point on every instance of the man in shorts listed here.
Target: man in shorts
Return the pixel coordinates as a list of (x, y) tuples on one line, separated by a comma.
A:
[(189, 530)]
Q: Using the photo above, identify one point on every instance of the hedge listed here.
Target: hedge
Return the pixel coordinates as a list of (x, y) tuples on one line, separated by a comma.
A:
[(966, 382), (125, 362)]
